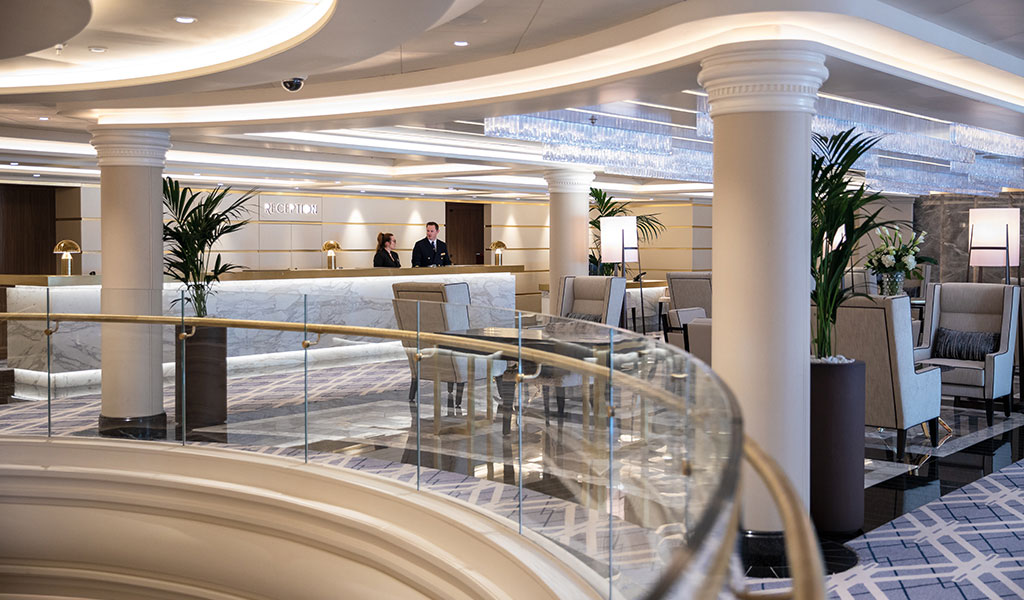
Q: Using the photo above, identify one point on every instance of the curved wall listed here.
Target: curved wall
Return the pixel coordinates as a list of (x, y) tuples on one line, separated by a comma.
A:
[(85, 518)]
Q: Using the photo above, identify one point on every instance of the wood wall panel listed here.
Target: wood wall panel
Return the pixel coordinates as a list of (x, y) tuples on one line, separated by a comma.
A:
[(27, 229)]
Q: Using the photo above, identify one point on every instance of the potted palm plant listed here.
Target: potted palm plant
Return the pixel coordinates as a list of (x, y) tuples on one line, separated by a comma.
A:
[(196, 222), (839, 221), (649, 227)]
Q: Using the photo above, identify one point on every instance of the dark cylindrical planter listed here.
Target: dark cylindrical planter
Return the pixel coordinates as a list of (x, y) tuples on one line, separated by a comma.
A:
[(837, 446), (206, 378)]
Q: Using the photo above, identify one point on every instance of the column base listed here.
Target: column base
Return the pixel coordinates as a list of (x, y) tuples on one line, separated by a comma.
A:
[(153, 427), (763, 554)]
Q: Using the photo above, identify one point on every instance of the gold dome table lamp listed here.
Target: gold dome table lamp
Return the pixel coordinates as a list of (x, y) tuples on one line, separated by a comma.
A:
[(497, 247), (330, 247), (66, 248)]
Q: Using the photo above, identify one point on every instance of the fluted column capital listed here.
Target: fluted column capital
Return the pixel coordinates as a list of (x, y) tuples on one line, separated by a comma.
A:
[(131, 147), (564, 180), (763, 77)]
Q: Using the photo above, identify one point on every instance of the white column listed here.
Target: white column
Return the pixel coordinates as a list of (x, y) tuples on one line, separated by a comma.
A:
[(131, 166), (568, 226), (761, 98)]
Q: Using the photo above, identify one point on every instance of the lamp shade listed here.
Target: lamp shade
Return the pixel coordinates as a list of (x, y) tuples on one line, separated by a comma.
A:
[(988, 230), (618, 233), (331, 245), (70, 246)]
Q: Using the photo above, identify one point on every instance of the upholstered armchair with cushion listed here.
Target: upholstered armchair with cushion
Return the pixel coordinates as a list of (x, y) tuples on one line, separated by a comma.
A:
[(689, 298), (861, 281), (593, 298), (972, 333), (445, 307), (877, 330), (698, 337)]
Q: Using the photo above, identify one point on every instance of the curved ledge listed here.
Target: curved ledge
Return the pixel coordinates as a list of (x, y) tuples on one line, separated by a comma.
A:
[(678, 36), (213, 523)]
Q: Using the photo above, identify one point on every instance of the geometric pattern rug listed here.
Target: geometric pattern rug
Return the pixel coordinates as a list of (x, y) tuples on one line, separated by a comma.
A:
[(967, 544)]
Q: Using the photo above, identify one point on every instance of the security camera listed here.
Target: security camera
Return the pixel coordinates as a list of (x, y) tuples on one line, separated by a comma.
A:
[(293, 84)]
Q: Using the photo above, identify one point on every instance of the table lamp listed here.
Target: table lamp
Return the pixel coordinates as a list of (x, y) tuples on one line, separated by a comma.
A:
[(497, 247), (994, 238), (330, 247), (66, 248)]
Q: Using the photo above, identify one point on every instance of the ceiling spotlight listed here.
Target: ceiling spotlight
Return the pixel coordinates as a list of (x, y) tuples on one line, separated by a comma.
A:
[(98, 49), (14, 164), (35, 174), (185, 20), (44, 118), (195, 174), (460, 44)]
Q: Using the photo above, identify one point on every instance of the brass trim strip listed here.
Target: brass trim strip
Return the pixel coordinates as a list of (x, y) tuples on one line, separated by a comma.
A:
[(536, 226)]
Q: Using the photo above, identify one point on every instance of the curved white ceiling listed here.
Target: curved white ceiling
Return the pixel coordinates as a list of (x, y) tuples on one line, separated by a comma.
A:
[(866, 32), (32, 26), (130, 43)]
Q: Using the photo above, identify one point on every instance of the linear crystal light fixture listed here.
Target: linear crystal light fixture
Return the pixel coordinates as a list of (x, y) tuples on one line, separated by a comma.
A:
[(915, 155)]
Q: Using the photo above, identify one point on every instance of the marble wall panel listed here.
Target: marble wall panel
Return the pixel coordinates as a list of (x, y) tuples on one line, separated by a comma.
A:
[(948, 217), (357, 301)]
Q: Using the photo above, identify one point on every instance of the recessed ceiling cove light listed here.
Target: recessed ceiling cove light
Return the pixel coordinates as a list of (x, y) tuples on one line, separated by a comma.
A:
[(98, 49), (35, 174), (185, 20), (461, 44), (44, 118)]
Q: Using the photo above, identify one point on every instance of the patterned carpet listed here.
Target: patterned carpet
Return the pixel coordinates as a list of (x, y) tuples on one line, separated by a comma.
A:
[(968, 544)]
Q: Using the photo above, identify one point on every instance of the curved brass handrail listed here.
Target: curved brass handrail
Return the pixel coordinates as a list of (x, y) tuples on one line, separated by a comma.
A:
[(801, 544)]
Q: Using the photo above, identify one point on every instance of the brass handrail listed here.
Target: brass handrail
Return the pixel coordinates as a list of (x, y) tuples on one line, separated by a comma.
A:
[(802, 550)]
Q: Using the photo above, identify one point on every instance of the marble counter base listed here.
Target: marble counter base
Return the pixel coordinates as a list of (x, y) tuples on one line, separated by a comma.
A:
[(355, 301), (31, 385)]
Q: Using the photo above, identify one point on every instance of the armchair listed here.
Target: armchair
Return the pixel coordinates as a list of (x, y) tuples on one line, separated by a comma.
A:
[(877, 330), (445, 307), (986, 308), (593, 298), (689, 299)]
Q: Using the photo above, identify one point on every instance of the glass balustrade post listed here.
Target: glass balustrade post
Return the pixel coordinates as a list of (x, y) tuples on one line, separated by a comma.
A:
[(182, 393), (49, 375), (419, 356), (519, 410), (611, 458), (305, 378)]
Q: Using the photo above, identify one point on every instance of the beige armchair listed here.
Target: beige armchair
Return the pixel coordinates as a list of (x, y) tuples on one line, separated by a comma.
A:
[(877, 330), (861, 281), (593, 298), (985, 308), (444, 307), (689, 298)]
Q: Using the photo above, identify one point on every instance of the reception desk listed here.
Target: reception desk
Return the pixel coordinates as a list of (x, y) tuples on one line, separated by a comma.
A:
[(358, 297)]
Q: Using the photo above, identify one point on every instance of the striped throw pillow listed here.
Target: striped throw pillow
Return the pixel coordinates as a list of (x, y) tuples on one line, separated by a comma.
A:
[(964, 345)]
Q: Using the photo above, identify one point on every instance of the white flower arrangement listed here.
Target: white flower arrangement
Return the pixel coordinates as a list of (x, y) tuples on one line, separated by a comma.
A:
[(893, 255)]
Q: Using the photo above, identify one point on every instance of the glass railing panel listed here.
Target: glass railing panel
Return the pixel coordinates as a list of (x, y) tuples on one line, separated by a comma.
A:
[(26, 386), (242, 386), (72, 367), (359, 410)]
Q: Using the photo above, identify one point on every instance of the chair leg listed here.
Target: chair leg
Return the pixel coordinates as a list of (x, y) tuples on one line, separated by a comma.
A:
[(1007, 405), (545, 391), (451, 388), (933, 431), (901, 443), (560, 400), (460, 389), (412, 390), (989, 409)]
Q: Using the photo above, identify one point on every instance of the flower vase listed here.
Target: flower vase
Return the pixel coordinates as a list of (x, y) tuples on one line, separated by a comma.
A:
[(892, 284)]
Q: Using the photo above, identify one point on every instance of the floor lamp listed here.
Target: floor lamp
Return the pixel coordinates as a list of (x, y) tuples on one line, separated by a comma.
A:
[(995, 242), (620, 244)]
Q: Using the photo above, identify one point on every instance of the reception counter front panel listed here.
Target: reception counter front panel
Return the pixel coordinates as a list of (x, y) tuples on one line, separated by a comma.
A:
[(359, 297)]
